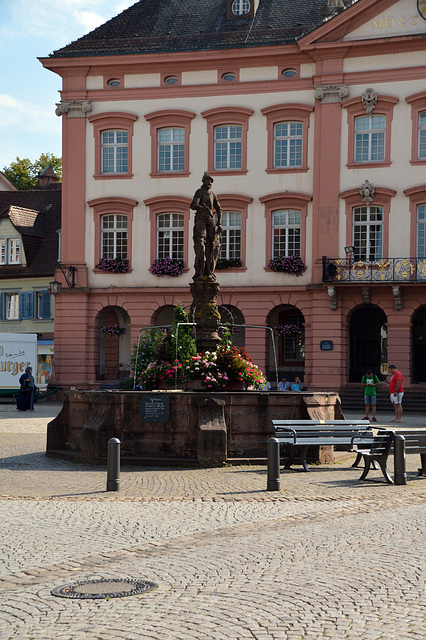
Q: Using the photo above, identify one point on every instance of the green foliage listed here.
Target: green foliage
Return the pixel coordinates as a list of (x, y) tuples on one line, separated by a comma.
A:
[(150, 343), (184, 346), (22, 173), (160, 345)]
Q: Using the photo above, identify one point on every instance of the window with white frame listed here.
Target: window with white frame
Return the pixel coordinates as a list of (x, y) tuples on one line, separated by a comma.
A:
[(370, 134), (421, 231), (10, 251), (228, 147), (170, 236), (368, 233), (171, 149), (11, 306), (240, 7), (230, 244), (286, 232), (114, 236), (114, 151), (288, 144), (422, 135)]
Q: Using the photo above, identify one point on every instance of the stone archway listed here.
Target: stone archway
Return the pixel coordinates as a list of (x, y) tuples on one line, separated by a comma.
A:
[(232, 315), (114, 349), (367, 341), (418, 355), (291, 348)]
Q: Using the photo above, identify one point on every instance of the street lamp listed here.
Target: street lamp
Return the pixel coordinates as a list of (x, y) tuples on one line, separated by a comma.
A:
[(55, 287)]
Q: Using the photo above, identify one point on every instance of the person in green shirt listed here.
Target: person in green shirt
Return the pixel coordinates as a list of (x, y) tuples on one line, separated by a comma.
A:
[(370, 382)]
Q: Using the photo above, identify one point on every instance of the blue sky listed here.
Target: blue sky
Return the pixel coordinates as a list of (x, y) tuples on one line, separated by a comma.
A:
[(30, 29)]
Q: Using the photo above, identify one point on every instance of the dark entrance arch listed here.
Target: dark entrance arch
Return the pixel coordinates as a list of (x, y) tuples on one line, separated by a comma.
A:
[(419, 345), (367, 341)]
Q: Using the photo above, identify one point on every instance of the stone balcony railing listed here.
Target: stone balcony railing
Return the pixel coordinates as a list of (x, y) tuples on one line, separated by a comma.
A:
[(386, 270)]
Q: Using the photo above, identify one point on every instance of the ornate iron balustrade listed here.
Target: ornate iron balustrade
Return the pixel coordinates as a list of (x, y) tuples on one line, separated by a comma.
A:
[(385, 270)]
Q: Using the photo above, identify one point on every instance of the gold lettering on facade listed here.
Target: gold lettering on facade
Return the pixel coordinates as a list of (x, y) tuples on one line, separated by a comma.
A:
[(388, 23)]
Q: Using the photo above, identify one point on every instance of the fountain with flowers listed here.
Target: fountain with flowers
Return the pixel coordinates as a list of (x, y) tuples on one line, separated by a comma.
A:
[(215, 419)]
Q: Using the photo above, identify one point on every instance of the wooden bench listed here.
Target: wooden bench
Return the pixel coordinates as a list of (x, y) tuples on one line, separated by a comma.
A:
[(381, 446), (299, 435)]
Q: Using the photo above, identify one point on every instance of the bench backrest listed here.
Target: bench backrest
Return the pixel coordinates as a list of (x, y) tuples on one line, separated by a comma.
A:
[(320, 428), (415, 439)]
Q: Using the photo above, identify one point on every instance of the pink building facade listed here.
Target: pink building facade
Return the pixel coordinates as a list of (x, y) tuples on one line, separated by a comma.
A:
[(314, 129)]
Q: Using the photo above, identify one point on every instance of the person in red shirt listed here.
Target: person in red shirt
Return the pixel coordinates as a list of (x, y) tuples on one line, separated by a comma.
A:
[(396, 391)]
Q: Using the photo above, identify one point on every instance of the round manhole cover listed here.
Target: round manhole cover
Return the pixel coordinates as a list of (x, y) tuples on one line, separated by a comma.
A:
[(103, 588)]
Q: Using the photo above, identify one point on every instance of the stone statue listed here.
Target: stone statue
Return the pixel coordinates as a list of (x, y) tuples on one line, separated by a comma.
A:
[(206, 233)]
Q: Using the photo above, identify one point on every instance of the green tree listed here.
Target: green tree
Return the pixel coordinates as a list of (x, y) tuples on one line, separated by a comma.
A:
[(22, 173)]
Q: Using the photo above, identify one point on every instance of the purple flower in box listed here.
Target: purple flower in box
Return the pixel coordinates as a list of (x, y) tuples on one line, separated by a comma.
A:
[(288, 264), (113, 265), (171, 267)]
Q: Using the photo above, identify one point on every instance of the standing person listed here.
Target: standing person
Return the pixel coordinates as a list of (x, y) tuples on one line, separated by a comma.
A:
[(370, 382), (25, 399), (396, 391), (266, 386)]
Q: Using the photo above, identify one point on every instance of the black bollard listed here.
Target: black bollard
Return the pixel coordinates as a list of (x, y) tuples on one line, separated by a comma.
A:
[(400, 476), (273, 483), (113, 465)]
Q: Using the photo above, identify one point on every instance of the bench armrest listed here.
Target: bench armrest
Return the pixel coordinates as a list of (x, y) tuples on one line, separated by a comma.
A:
[(286, 431)]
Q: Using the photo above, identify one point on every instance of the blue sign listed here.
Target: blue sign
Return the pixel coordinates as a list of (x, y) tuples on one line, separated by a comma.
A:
[(326, 345)]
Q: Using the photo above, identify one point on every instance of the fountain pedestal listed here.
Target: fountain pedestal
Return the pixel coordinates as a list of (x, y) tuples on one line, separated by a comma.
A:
[(205, 313)]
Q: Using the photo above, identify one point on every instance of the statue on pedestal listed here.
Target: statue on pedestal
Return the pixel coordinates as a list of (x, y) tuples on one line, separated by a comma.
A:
[(206, 233), (204, 288)]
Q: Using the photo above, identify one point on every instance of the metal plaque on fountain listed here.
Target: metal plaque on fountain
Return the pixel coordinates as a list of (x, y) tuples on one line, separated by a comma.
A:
[(155, 408)]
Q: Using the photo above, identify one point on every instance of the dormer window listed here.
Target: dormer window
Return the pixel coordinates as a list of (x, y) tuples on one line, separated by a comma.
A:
[(10, 251), (240, 9)]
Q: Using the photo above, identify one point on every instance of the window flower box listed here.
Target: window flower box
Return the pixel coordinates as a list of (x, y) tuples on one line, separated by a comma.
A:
[(113, 265), (288, 264), (167, 267), (228, 263)]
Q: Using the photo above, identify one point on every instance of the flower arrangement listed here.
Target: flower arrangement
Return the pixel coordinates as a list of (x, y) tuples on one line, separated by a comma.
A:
[(286, 330), (288, 264), (228, 263), (171, 267), (227, 364), (113, 329), (113, 265)]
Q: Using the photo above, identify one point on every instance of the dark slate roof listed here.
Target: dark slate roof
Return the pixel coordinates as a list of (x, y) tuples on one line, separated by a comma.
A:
[(154, 26), (36, 216)]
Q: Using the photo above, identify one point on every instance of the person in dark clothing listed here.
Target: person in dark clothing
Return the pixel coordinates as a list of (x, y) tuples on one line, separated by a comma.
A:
[(25, 399)]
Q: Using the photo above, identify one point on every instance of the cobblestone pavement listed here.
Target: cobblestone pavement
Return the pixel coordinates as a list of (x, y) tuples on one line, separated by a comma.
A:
[(325, 557)]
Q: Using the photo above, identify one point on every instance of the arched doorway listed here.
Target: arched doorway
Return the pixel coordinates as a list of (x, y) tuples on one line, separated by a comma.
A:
[(232, 315), (367, 342), (419, 345), (291, 347), (114, 351)]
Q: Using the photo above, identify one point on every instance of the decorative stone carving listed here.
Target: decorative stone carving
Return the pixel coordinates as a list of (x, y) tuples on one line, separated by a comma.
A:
[(397, 297), (369, 100), (332, 294), (332, 92), (366, 295), (73, 108), (367, 192)]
